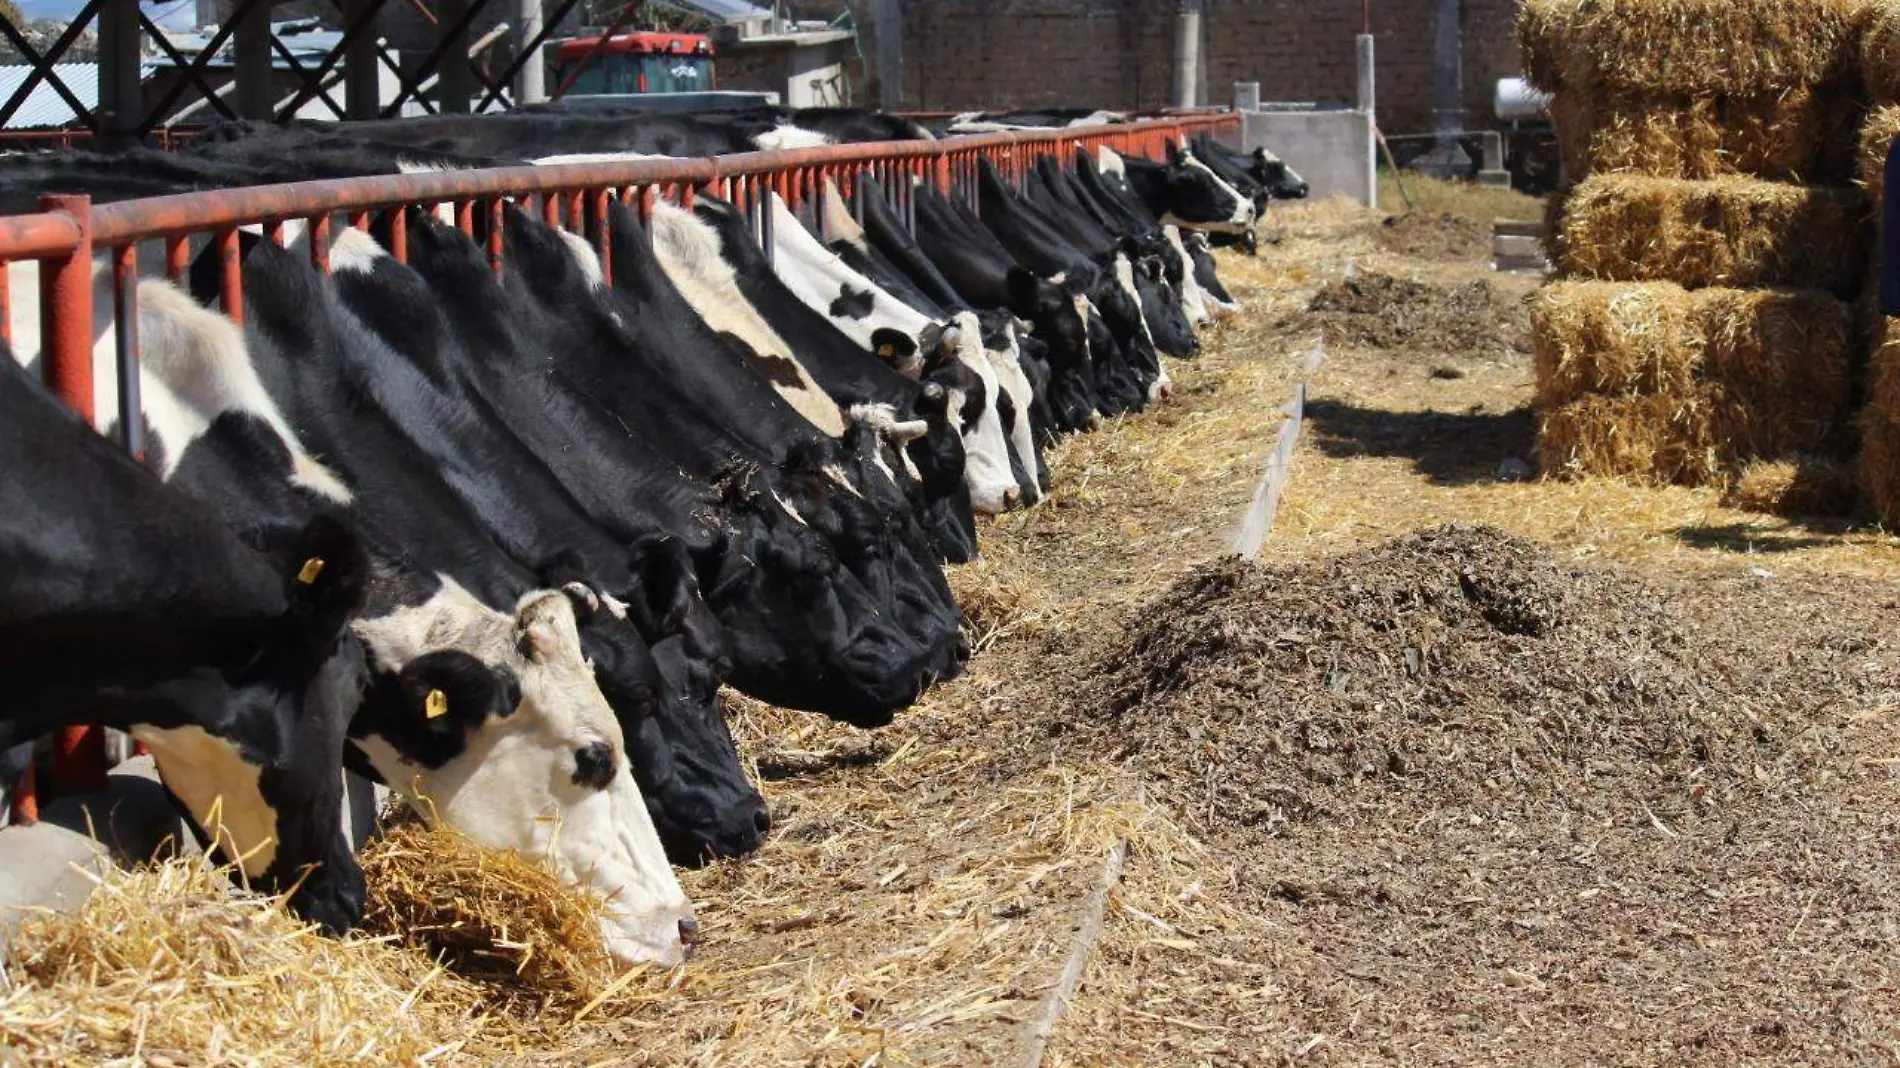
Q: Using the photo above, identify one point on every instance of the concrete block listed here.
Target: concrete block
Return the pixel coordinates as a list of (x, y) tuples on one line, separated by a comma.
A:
[(1499, 179), (1332, 150)]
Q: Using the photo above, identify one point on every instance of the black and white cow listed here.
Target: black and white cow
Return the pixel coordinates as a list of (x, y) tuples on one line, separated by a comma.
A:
[(127, 603), (490, 718), (951, 353), (883, 251), (841, 608), (1260, 168), (913, 417), (1186, 192), (987, 276)]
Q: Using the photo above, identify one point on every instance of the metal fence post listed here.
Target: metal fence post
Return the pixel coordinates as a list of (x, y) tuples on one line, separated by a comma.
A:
[(66, 368)]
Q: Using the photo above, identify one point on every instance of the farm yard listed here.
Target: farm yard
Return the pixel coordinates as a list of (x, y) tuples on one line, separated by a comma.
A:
[(1472, 767), (851, 589)]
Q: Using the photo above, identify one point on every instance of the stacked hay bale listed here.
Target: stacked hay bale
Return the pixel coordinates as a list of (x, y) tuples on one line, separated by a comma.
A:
[(1710, 238)]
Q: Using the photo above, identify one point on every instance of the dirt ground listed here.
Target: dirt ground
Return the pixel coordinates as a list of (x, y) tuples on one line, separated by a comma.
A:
[(1604, 775)]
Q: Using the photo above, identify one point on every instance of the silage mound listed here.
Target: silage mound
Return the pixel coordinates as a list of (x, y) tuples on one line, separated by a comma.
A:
[(1375, 310), (1436, 236), (1452, 666)]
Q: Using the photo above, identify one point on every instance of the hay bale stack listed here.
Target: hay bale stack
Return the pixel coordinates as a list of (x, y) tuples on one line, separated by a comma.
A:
[(1708, 240), (1720, 232)]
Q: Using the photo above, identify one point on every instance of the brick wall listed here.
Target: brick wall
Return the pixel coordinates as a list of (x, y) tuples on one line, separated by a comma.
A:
[(968, 54)]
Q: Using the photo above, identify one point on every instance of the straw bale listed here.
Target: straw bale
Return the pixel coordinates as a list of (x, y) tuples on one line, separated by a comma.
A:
[(1719, 232), (168, 964), (1611, 337), (1805, 485), (1657, 438), (1540, 26), (1743, 47), (1786, 354), (493, 915), (1879, 50), (1802, 134), (1876, 137)]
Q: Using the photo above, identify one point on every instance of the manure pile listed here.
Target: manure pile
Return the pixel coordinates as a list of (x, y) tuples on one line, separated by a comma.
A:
[(1486, 806), (1711, 148), (1378, 310)]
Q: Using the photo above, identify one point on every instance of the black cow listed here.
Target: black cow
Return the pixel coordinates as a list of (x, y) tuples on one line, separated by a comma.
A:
[(126, 603)]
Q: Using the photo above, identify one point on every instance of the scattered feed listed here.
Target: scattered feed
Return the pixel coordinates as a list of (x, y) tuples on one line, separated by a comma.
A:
[(168, 964), (1801, 135), (1807, 486), (1381, 311), (1740, 47), (1738, 232), (1786, 354)]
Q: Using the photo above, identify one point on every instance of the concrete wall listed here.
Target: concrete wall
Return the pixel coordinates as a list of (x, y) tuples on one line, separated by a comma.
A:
[(1332, 150), (967, 54)]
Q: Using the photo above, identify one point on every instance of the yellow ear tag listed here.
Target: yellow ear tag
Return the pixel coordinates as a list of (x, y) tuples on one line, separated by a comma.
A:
[(311, 569), (885, 351), (436, 705)]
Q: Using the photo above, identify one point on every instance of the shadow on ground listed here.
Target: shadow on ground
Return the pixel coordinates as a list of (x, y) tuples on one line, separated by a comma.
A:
[(1448, 448), (1749, 538)]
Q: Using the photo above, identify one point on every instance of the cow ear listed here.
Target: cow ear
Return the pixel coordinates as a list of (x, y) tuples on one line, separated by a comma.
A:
[(894, 347), (448, 692), (326, 572), (1130, 248), (1025, 290), (1177, 155)]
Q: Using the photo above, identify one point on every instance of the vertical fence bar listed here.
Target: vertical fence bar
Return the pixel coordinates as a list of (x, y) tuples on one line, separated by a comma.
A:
[(177, 258), (399, 233), (6, 302), (230, 274), (496, 253), (320, 242), (125, 342), (465, 217), (604, 234), (66, 368)]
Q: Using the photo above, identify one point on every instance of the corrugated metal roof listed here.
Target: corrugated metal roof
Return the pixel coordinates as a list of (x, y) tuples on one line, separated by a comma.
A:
[(44, 107), (728, 10)]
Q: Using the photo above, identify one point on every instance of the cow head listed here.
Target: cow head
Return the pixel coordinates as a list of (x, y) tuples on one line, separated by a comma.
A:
[(254, 763), (1055, 314), (1161, 309), (970, 389), (510, 741), (1199, 198), (1281, 180), (685, 760), (789, 608)]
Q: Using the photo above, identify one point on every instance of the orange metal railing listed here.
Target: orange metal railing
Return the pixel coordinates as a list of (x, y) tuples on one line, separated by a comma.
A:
[(69, 232)]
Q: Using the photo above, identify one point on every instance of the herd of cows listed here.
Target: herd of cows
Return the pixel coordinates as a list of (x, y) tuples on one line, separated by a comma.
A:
[(496, 541)]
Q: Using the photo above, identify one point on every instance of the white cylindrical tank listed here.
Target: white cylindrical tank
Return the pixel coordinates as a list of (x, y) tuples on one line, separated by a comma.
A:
[(1518, 102)]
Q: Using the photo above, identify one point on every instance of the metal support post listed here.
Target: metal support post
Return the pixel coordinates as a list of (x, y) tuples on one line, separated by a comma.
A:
[(252, 45)]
